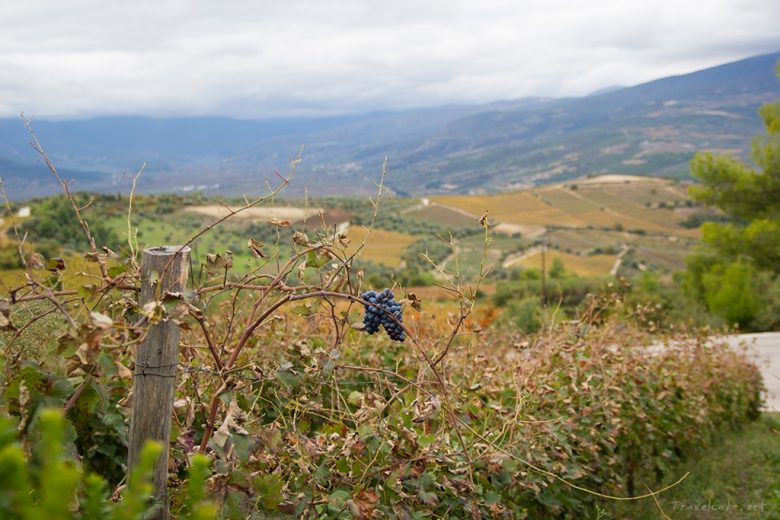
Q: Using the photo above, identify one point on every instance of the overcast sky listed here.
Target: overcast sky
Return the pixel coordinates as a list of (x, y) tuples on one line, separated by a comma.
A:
[(274, 58)]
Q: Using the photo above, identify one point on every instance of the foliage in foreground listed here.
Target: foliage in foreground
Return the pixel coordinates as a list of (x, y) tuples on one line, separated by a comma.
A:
[(525, 423), (49, 486), (736, 479)]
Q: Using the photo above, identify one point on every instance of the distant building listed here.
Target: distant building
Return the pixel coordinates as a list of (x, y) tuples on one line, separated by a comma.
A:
[(24, 212)]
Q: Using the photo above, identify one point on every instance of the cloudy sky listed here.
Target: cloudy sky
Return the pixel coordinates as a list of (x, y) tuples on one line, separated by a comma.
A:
[(81, 58)]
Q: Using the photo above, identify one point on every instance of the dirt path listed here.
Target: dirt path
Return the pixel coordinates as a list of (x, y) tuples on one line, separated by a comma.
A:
[(292, 214), (511, 260), (424, 203), (618, 261), (767, 345)]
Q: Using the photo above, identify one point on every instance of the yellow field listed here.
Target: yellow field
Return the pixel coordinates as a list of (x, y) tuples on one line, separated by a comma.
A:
[(435, 293), (592, 204), (78, 272), (596, 265), (514, 208), (383, 246)]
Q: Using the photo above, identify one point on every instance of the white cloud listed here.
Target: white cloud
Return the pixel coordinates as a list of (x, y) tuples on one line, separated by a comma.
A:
[(264, 58)]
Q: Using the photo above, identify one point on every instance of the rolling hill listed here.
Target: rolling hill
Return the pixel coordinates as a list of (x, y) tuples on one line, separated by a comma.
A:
[(596, 225), (649, 129)]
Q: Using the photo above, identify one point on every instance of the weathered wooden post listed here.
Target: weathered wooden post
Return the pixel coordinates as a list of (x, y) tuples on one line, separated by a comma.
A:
[(156, 360)]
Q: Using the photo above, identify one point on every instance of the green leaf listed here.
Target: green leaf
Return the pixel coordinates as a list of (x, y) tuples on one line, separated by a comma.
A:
[(269, 491), (55, 264), (88, 291), (337, 502), (117, 270), (316, 261), (355, 398), (322, 473)]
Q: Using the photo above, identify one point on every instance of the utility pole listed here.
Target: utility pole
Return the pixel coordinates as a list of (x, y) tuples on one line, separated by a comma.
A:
[(544, 270)]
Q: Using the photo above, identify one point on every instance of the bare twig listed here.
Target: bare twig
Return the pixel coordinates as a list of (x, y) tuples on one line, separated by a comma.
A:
[(36, 145)]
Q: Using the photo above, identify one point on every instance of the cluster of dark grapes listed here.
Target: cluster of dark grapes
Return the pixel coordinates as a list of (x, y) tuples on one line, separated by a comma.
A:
[(376, 316)]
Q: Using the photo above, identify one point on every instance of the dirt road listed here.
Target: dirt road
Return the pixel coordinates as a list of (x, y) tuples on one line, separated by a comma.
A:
[(767, 346)]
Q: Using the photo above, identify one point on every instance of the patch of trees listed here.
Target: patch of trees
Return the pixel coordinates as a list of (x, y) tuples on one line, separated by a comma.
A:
[(54, 228), (736, 272)]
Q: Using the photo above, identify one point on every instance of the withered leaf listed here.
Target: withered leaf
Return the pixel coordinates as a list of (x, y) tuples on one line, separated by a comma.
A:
[(365, 503), (100, 321), (172, 295), (217, 262), (109, 252), (36, 261), (154, 311), (123, 371), (279, 223), (426, 411), (300, 238), (257, 248), (183, 325), (93, 256), (414, 301), (5, 315)]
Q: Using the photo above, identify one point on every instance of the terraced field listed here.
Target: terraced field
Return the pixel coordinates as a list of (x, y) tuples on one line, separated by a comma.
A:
[(586, 223), (468, 263), (444, 216), (382, 246), (659, 253), (515, 208), (583, 240), (595, 265), (647, 205)]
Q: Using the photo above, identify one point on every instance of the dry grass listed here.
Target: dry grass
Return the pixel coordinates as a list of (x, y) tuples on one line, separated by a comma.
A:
[(581, 240), (444, 216), (383, 247), (596, 265), (292, 214), (597, 204), (514, 208), (78, 272), (614, 178)]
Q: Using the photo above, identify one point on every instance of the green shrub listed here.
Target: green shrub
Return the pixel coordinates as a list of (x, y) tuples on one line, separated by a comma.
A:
[(731, 293), (54, 226), (49, 486), (525, 315), (9, 257)]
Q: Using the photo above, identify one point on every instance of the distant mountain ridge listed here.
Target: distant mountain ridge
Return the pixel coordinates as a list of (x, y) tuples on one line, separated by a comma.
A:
[(649, 129)]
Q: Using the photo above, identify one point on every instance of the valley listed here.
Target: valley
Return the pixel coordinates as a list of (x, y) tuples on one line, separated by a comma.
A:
[(596, 226), (651, 129)]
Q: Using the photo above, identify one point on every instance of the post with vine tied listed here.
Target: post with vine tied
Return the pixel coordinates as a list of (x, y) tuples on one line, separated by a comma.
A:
[(164, 272)]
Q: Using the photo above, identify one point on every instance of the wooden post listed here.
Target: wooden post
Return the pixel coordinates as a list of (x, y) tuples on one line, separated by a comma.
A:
[(156, 360)]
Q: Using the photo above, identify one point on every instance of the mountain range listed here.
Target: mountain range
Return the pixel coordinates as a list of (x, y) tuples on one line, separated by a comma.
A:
[(650, 129)]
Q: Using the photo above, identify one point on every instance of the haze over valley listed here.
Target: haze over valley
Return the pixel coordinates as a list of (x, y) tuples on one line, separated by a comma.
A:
[(650, 129)]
